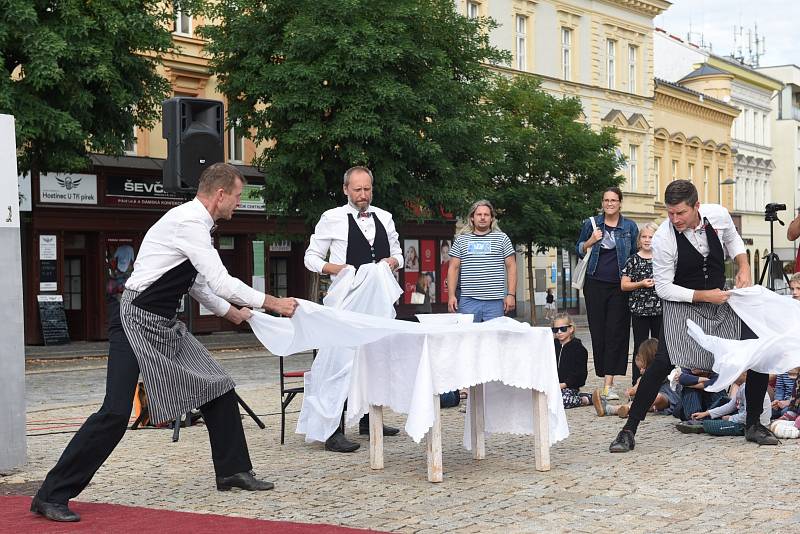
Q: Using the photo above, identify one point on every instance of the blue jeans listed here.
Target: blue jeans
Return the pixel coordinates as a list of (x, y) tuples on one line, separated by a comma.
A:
[(698, 400), (482, 310)]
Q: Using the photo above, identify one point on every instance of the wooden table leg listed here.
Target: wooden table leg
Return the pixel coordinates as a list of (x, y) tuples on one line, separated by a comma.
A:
[(541, 437), (477, 423), (376, 437), (434, 444)]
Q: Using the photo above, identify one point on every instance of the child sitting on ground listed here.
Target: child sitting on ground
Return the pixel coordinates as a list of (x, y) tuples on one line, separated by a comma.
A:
[(784, 389), (571, 362), (728, 419), (666, 400)]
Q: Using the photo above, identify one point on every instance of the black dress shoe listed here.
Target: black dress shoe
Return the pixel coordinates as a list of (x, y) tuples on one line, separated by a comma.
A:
[(623, 443), (387, 430), (244, 480), (53, 511), (338, 443), (760, 434)]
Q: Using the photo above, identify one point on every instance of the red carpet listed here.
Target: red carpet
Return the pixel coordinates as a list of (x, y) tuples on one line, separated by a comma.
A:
[(16, 518)]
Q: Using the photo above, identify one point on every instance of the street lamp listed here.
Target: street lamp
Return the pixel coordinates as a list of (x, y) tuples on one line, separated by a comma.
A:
[(726, 181)]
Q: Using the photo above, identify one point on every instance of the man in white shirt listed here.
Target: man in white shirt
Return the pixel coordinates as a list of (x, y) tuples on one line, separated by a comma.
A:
[(354, 234), (689, 252), (176, 256)]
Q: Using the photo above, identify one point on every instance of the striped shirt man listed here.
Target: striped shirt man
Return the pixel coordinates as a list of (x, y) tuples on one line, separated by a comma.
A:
[(483, 269)]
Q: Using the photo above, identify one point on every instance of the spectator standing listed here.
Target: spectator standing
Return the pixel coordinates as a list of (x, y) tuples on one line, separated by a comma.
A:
[(643, 302), (549, 305), (483, 267), (606, 303)]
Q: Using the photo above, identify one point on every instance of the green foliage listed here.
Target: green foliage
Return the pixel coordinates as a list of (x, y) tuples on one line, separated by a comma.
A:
[(549, 169), (392, 84), (78, 75)]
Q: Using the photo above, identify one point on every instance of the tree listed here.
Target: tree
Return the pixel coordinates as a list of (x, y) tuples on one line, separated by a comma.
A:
[(78, 76), (328, 84), (550, 169)]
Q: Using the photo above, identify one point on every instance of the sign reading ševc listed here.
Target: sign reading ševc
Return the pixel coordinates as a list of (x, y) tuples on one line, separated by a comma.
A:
[(139, 192), (66, 188)]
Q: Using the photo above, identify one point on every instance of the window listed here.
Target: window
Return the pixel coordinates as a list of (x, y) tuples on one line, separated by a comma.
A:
[(473, 10), (674, 169), (633, 52), (522, 60), (183, 21), (235, 145), (705, 184), (633, 157), (278, 276), (657, 176), (72, 284), (691, 172), (130, 144), (566, 53), (765, 130), (611, 65)]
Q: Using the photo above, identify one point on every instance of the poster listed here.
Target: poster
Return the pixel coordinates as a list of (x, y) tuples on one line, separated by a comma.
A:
[(411, 256), (409, 286), (48, 266), (120, 256), (444, 265)]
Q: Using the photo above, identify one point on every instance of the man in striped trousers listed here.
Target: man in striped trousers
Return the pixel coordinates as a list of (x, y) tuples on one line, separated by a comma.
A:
[(689, 253), (176, 256)]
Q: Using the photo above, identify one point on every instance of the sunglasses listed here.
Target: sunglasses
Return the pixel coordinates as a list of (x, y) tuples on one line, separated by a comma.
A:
[(557, 329)]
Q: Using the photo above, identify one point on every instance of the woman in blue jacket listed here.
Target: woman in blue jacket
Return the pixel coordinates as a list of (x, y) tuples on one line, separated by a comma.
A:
[(612, 243)]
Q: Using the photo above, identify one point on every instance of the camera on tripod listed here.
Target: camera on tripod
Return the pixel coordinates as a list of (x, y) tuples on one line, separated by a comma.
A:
[(771, 211)]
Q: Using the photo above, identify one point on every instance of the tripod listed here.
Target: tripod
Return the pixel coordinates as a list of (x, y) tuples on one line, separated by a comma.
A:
[(772, 260)]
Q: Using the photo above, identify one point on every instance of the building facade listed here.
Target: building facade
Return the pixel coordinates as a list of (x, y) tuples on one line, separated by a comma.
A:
[(602, 54), (786, 151), (752, 92)]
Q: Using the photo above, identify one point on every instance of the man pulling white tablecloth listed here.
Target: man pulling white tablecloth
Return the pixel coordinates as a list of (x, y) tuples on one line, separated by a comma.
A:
[(479, 348)]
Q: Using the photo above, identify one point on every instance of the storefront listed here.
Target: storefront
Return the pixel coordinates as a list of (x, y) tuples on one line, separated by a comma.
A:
[(84, 231)]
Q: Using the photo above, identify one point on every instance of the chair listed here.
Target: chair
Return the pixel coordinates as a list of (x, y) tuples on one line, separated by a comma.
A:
[(289, 391)]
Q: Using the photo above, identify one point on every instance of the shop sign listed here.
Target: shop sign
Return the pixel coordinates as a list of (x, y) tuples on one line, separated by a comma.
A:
[(252, 198), (48, 265), (139, 192), (66, 188)]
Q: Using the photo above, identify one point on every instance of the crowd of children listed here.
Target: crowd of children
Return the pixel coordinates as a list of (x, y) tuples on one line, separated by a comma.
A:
[(684, 393)]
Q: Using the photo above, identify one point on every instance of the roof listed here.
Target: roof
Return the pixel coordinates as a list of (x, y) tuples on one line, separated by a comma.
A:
[(698, 94), (155, 164), (705, 70)]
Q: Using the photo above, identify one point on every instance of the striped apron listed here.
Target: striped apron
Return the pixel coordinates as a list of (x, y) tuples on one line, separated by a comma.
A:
[(696, 272), (179, 373)]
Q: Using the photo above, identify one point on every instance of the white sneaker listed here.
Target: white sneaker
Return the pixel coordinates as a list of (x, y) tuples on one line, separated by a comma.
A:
[(784, 429), (611, 395)]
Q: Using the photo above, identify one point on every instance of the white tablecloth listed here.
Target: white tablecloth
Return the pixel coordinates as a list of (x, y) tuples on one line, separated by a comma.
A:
[(401, 364), (403, 372), (774, 318)]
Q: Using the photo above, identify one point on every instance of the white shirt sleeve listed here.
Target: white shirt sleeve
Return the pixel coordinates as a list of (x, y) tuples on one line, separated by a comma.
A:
[(318, 247), (665, 259), (192, 240), (395, 250), (721, 220), (203, 294)]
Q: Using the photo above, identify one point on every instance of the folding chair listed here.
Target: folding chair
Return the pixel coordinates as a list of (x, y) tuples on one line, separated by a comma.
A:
[(289, 391)]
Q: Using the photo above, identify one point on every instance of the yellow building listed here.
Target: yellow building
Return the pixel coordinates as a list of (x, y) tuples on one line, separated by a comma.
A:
[(602, 54), (692, 140)]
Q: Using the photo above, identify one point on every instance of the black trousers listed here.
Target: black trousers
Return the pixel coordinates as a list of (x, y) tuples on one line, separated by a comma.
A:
[(655, 375), (643, 329), (102, 431), (609, 325)]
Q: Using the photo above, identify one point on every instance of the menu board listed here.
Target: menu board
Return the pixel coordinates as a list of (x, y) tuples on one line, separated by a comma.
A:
[(53, 319)]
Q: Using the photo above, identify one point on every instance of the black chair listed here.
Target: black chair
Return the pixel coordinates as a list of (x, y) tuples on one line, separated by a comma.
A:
[(289, 390)]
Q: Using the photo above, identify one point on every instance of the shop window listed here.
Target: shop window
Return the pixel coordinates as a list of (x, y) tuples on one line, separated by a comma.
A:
[(72, 284), (278, 276)]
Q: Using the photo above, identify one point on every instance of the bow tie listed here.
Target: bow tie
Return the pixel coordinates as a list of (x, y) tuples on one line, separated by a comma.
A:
[(364, 214)]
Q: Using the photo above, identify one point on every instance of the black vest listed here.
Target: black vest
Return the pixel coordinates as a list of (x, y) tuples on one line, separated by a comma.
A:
[(164, 295), (694, 271), (359, 251)]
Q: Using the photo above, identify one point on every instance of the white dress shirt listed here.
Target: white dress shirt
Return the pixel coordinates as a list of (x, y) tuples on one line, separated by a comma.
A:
[(184, 233), (330, 236), (665, 249)]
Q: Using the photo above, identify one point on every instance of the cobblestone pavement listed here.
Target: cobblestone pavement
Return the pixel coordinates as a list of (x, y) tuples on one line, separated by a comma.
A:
[(671, 482)]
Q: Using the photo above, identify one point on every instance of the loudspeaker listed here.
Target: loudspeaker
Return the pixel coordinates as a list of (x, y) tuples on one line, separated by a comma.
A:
[(194, 130)]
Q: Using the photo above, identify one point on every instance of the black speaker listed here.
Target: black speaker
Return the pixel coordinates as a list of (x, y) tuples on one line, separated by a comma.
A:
[(194, 129)]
